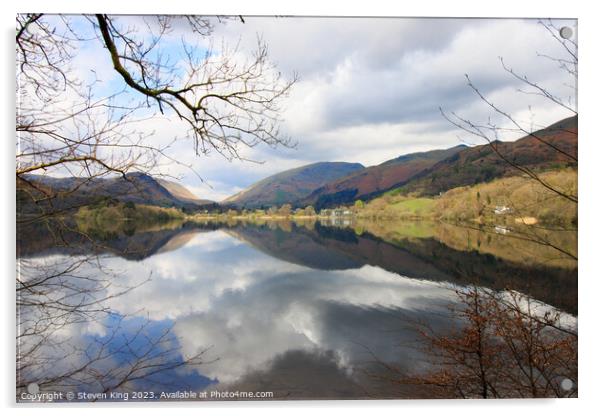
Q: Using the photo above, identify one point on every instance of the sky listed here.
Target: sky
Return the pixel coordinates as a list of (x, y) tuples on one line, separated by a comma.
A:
[(369, 89)]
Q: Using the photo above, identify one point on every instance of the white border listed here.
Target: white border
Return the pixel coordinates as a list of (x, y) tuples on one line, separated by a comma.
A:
[(590, 152)]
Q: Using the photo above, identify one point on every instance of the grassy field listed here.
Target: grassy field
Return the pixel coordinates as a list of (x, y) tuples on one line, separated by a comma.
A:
[(524, 197), (418, 206), (398, 207)]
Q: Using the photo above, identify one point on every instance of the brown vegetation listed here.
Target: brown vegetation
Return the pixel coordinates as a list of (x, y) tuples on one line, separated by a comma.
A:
[(507, 345)]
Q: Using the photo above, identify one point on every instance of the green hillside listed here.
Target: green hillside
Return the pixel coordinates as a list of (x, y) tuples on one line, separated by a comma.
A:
[(374, 180), (291, 185), (543, 150)]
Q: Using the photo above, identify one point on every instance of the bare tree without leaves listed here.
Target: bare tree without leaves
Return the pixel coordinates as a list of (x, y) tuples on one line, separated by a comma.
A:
[(224, 98), (506, 343), (227, 98), (491, 133)]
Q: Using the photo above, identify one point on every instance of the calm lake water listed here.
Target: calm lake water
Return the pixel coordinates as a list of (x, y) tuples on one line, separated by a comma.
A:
[(299, 310)]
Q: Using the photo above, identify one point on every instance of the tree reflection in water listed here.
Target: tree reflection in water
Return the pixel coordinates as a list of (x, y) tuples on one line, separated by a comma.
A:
[(282, 304)]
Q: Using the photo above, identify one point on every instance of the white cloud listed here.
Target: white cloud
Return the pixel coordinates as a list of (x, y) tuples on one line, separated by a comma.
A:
[(370, 89)]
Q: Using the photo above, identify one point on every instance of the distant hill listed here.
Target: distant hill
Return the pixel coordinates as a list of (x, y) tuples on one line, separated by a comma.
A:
[(375, 180), (327, 184), (291, 185), (482, 164), (182, 193), (135, 187)]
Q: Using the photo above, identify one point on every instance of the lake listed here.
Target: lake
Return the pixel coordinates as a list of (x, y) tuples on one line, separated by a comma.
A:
[(297, 310)]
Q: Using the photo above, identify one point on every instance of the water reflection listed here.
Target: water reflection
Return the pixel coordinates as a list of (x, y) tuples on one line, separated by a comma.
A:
[(301, 311)]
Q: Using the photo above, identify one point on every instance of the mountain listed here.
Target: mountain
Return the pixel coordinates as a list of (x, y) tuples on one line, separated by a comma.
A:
[(135, 187), (291, 185), (374, 180), (144, 189), (482, 164), (182, 193)]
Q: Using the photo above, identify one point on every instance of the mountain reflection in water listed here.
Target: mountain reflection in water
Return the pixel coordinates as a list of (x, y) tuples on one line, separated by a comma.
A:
[(303, 311)]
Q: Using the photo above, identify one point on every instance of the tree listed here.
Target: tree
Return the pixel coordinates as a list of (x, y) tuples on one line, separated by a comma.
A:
[(521, 345), (502, 345), (285, 210), (508, 344), (310, 211), (71, 125), (491, 132), (67, 123)]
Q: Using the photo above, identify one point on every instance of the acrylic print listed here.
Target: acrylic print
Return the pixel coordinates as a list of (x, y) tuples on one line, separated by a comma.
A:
[(295, 208)]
